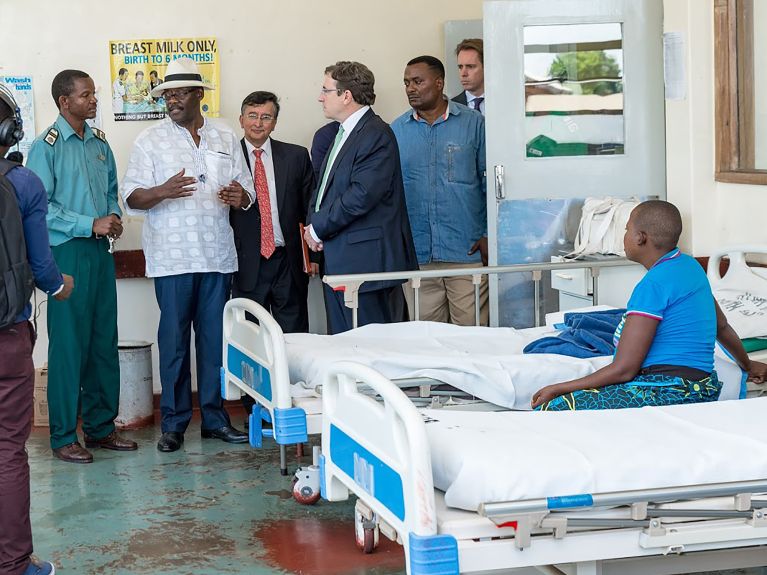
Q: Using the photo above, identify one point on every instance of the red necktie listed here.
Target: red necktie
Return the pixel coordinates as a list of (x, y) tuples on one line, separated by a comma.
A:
[(264, 206)]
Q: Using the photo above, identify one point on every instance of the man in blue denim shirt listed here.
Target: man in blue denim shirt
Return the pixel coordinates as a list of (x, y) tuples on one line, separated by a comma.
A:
[(442, 151)]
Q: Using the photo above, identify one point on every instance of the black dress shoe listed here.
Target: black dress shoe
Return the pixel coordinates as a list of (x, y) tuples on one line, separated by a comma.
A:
[(226, 433), (170, 441)]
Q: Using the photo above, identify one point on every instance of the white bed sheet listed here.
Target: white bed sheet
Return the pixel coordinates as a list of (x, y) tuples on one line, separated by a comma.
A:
[(507, 456), (482, 361), (485, 362)]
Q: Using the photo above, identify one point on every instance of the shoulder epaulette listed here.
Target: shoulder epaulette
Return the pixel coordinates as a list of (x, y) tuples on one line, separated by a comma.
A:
[(52, 136), (99, 134)]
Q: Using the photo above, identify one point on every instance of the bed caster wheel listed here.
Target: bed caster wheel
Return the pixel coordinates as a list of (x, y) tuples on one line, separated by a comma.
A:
[(306, 485), (366, 532), (369, 543)]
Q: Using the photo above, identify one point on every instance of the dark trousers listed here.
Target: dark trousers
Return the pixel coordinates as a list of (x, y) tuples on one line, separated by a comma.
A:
[(83, 361), (17, 381), (186, 300), (278, 292), (380, 306)]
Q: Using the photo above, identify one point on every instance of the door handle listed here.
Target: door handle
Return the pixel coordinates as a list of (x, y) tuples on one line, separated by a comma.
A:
[(500, 191)]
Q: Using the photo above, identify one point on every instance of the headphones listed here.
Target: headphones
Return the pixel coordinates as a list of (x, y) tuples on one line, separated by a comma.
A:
[(11, 129)]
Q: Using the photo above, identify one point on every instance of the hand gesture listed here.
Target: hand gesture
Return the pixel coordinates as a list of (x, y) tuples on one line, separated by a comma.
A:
[(69, 285), (177, 186), (108, 226), (234, 195)]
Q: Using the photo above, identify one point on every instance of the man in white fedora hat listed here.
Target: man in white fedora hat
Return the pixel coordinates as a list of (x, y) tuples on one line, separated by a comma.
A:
[(184, 174)]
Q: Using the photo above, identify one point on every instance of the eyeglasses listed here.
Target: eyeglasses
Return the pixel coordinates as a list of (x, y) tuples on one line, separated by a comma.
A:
[(330, 91), (179, 94), (265, 118)]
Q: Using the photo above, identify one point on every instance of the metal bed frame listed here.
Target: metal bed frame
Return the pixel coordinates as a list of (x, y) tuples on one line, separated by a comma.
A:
[(261, 370), (380, 453)]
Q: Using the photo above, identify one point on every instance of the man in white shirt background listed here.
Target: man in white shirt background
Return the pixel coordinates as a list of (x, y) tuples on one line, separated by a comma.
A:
[(184, 175)]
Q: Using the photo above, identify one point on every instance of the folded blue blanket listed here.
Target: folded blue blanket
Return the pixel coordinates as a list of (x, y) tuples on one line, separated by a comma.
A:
[(588, 334)]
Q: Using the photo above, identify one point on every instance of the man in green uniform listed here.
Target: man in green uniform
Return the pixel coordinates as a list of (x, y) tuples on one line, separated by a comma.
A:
[(78, 171)]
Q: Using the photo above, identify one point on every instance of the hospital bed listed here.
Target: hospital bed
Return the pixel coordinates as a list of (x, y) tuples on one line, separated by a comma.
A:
[(255, 358), (637, 491), (484, 366), (281, 371), (743, 281), (260, 361)]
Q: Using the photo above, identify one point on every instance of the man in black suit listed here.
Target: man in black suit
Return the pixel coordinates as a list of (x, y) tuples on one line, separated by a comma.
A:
[(266, 235), (471, 71), (358, 215)]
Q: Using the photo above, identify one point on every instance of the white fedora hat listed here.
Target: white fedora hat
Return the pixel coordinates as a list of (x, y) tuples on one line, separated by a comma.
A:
[(181, 73)]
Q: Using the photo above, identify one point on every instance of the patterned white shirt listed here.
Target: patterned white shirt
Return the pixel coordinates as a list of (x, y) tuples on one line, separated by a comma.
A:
[(192, 234)]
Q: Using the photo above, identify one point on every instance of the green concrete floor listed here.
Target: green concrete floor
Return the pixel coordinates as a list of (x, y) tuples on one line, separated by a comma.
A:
[(209, 509)]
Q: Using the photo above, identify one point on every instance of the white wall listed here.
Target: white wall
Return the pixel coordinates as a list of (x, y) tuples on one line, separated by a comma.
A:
[(282, 46), (715, 214)]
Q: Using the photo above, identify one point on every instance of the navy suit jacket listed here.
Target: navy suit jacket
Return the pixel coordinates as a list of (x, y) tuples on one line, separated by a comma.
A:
[(461, 98), (294, 180), (321, 143), (362, 219)]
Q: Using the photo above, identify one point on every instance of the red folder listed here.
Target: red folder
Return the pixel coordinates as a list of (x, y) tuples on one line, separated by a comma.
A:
[(304, 250)]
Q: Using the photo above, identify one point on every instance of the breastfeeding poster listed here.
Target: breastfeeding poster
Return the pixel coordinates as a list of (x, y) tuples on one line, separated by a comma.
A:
[(137, 66)]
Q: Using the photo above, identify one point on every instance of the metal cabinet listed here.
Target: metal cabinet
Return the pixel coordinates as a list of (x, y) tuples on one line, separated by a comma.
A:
[(576, 286)]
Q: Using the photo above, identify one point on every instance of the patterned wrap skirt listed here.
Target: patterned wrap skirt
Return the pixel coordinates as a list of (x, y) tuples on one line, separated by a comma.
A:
[(644, 390)]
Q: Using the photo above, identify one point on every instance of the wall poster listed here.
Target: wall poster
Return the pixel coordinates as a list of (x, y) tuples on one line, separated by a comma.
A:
[(21, 88), (137, 66)]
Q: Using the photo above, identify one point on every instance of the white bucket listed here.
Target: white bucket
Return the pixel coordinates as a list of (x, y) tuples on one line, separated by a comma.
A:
[(136, 390)]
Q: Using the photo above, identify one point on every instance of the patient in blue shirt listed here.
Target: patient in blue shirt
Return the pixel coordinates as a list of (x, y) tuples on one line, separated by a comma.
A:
[(665, 341)]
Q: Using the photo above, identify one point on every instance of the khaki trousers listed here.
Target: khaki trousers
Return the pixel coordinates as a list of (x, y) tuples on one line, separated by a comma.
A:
[(449, 300)]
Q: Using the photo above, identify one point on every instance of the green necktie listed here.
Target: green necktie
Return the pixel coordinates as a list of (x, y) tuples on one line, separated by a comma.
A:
[(326, 173)]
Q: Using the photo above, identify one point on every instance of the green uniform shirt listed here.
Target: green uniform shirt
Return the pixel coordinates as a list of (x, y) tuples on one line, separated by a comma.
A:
[(80, 177)]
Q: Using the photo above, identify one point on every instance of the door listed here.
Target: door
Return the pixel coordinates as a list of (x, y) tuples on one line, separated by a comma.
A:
[(575, 108)]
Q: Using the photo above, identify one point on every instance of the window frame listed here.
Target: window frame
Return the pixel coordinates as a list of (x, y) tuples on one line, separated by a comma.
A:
[(734, 93)]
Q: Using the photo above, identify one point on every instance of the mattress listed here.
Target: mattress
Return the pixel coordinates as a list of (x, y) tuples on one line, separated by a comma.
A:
[(507, 456)]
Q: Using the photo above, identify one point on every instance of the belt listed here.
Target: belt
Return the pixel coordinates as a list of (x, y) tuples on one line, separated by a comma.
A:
[(682, 371), (277, 250)]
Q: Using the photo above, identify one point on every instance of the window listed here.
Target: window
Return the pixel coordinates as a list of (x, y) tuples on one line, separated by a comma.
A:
[(741, 91), (574, 90)]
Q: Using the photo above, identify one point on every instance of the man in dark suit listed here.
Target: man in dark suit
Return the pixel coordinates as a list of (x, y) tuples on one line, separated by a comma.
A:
[(471, 71), (357, 214), (266, 235), (321, 143)]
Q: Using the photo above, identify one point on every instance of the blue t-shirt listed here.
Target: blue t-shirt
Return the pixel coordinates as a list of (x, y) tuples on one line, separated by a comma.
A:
[(675, 291)]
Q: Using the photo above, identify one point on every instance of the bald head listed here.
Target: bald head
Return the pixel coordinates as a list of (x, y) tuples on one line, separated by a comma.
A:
[(661, 221)]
